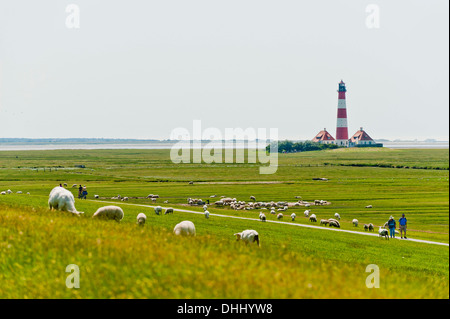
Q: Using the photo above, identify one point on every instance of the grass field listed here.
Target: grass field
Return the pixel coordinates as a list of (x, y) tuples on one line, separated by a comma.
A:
[(120, 260)]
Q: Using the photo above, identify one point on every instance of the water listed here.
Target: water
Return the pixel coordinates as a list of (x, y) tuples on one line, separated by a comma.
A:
[(168, 145)]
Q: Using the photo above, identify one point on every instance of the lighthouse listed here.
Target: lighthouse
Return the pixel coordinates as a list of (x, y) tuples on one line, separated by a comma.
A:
[(342, 126)]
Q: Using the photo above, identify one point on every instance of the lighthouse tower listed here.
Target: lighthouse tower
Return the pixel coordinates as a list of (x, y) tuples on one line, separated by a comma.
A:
[(342, 127)]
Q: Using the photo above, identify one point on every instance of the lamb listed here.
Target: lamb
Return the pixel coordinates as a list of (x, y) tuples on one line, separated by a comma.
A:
[(293, 216), (206, 214), (158, 210), (355, 222), (337, 216), (383, 233), (280, 216), (313, 218), (185, 228), (169, 211), (307, 213), (109, 212), (60, 198), (262, 217), (324, 222), (141, 218), (248, 236), (334, 223)]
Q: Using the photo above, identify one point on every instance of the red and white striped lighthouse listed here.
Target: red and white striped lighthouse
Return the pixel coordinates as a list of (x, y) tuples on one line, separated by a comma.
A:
[(342, 126)]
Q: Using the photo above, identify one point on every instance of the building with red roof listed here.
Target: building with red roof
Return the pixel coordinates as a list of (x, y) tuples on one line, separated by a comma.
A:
[(324, 137)]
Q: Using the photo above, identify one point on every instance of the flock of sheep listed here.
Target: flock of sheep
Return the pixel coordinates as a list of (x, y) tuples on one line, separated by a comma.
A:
[(10, 192), (62, 199)]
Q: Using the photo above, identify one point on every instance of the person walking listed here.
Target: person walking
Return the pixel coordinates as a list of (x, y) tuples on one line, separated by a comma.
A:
[(84, 194), (80, 191), (391, 225), (402, 221)]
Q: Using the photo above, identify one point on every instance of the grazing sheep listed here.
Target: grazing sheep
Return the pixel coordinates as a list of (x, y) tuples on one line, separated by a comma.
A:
[(273, 211), (307, 213), (158, 210), (191, 183), (212, 196), (96, 196), (61, 199), (65, 184), (383, 233), (155, 196), (334, 223), (262, 217), (125, 199), (154, 200), (74, 186), (369, 206), (9, 191), (169, 211), (248, 236), (205, 207), (206, 214), (366, 227), (324, 222), (19, 192), (253, 198), (337, 216), (280, 215), (166, 202), (185, 228), (219, 203), (3, 193), (293, 216), (313, 218), (141, 218), (355, 222), (371, 227), (28, 193), (149, 195), (109, 212), (307, 205)]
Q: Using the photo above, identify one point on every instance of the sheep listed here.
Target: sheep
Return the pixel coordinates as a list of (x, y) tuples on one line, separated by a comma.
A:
[(9, 191), (74, 186), (109, 212), (219, 203), (149, 195), (155, 196), (293, 216), (205, 207), (369, 206), (313, 218), (169, 211), (19, 192), (253, 198), (307, 213), (166, 202), (273, 212), (96, 196), (355, 222), (307, 205), (185, 228), (28, 193), (383, 233), (154, 200), (262, 217), (141, 218), (158, 210), (191, 183), (212, 196), (324, 222), (61, 199), (371, 227), (3, 193), (337, 216), (280, 215), (206, 214), (65, 184), (366, 227), (334, 223), (248, 236), (125, 199)]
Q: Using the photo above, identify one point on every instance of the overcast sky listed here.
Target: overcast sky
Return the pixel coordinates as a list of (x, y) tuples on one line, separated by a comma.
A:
[(138, 69)]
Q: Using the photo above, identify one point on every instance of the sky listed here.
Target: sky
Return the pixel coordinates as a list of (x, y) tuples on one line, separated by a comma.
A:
[(140, 69)]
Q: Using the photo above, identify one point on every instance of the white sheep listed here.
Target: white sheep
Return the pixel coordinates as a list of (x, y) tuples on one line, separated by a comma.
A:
[(206, 214), (28, 193), (355, 222), (383, 233), (273, 211), (169, 211), (61, 199), (369, 206), (313, 218), (248, 236), (262, 217), (96, 196), (109, 212), (307, 213), (307, 205), (158, 210), (19, 192), (65, 184), (280, 216), (334, 223), (74, 185), (9, 191), (3, 193), (337, 216), (253, 198), (293, 216), (205, 207), (185, 228), (141, 219), (125, 199), (324, 222)]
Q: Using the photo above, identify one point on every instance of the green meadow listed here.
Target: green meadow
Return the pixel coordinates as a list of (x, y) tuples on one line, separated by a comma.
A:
[(122, 260)]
